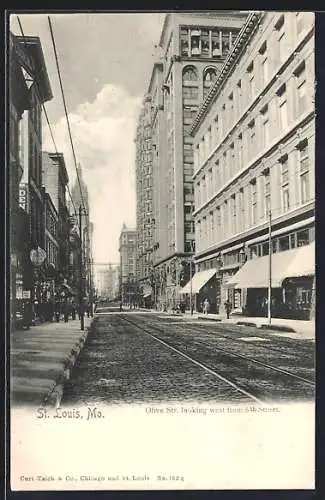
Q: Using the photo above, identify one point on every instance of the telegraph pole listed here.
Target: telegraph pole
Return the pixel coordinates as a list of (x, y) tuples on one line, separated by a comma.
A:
[(81, 308)]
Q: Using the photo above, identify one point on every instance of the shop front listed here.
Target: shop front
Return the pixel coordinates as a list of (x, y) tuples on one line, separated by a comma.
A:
[(204, 285), (291, 276)]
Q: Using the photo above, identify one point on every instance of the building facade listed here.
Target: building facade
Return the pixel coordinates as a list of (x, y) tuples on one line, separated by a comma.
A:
[(127, 250), (55, 181), (80, 197), (193, 47), (144, 191), (19, 102), (254, 166), (31, 60)]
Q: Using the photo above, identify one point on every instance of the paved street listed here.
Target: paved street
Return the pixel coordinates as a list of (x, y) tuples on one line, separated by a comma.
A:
[(148, 357)]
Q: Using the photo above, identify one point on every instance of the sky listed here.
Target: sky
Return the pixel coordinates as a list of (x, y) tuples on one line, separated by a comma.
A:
[(105, 61)]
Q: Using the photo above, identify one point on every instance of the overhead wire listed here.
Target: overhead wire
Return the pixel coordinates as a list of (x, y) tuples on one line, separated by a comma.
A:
[(66, 111), (46, 116)]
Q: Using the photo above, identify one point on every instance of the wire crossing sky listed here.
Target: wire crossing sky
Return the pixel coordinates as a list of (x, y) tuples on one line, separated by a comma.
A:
[(105, 62)]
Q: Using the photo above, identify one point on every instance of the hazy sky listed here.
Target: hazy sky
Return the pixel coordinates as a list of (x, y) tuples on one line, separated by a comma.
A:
[(105, 62)]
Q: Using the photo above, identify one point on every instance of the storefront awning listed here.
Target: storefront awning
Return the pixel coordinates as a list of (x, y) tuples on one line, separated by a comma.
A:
[(287, 264), (198, 281), (147, 291)]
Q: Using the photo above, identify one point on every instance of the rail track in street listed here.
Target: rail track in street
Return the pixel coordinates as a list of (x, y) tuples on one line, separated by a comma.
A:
[(234, 357), (239, 341)]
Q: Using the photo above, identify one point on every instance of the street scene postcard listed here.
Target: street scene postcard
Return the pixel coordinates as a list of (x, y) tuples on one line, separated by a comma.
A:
[(161, 173)]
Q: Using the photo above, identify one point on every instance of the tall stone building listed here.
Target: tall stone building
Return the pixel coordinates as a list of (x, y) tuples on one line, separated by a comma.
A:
[(193, 48), (127, 249), (254, 145), (80, 197)]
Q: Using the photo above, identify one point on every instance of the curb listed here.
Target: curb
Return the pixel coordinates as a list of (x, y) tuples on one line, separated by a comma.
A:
[(209, 319), (279, 328), (55, 394), (246, 323)]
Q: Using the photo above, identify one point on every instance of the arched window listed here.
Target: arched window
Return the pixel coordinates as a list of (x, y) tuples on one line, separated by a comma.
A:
[(209, 77), (190, 74)]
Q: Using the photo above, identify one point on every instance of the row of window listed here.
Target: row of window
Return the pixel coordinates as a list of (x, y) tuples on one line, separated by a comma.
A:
[(206, 43), (263, 64), (279, 244), (216, 176), (268, 122), (247, 206)]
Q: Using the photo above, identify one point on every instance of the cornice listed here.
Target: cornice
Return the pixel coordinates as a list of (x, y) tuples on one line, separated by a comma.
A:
[(244, 36)]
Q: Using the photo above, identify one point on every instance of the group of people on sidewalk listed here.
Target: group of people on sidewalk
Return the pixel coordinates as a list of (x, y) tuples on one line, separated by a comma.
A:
[(32, 313), (206, 307)]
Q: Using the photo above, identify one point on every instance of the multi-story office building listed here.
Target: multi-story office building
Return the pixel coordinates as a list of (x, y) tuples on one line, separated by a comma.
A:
[(80, 197), (254, 141), (150, 179), (127, 249), (193, 48), (144, 190)]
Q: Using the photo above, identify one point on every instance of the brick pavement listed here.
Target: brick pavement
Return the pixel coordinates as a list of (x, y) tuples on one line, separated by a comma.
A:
[(41, 359)]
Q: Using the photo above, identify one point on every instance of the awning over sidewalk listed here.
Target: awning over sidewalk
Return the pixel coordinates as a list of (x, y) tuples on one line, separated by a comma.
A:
[(146, 291), (198, 281), (288, 264)]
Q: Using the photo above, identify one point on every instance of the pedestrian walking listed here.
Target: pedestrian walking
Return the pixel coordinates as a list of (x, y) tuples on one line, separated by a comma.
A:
[(57, 311), (73, 311), (227, 308), (206, 306), (66, 311), (27, 315)]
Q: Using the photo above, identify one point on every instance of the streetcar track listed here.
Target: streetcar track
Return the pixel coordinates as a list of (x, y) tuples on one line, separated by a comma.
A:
[(229, 353), (198, 363), (198, 329), (298, 377)]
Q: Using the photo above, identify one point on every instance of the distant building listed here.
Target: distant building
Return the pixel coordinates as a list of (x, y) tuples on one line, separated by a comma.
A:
[(80, 198), (127, 250), (254, 157), (55, 181)]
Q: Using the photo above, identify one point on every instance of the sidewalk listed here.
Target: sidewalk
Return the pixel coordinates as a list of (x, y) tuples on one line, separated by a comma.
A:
[(303, 329), (41, 359), (292, 328)]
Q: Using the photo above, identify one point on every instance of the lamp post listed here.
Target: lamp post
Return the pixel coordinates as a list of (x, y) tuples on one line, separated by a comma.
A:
[(269, 294)]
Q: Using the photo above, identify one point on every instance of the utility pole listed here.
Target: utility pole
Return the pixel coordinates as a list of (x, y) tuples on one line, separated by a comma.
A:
[(191, 285), (81, 308), (269, 298)]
